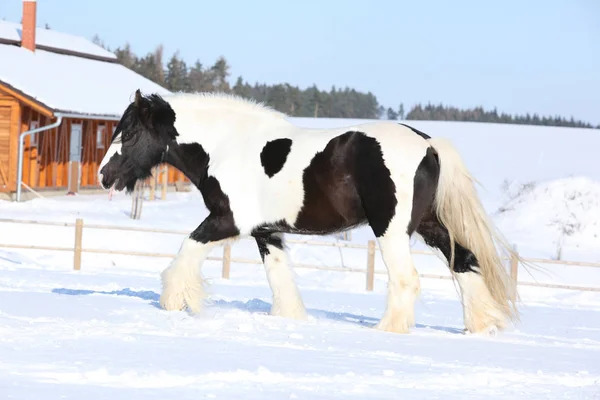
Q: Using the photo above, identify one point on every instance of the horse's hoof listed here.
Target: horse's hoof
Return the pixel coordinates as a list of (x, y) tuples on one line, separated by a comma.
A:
[(398, 325), (172, 303)]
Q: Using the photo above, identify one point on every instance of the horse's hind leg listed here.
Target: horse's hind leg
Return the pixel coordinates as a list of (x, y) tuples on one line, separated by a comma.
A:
[(182, 281), (286, 296), (393, 209), (403, 279), (479, 312)]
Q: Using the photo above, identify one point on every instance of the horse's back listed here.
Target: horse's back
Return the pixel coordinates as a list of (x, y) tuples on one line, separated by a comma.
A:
[(331, 172), (311, 178), (402, 148)]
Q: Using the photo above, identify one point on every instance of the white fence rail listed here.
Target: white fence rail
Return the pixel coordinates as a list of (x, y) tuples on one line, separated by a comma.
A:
[(370, 250)]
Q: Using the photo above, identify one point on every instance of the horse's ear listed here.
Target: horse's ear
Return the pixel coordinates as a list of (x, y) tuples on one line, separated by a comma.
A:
[(138, 97)]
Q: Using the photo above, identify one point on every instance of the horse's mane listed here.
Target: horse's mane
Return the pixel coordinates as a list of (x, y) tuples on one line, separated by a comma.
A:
[(223, 100)]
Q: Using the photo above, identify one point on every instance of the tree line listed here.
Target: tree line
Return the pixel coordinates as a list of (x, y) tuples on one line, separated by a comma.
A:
[(478, 114), (175, 74)]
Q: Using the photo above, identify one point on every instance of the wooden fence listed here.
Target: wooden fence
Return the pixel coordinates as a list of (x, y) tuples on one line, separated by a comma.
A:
[(371, 248)]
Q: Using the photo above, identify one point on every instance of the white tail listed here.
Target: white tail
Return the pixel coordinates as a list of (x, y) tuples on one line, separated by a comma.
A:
[(459, 209)]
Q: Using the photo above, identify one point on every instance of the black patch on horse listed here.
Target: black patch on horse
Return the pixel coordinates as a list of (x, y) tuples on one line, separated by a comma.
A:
[(192, 160), (220, 224), (268, 228), (189, 158), (436, 235), (425, 186), (274, 155), (415, 130), (375, 185), (346, 185), (263, 241)]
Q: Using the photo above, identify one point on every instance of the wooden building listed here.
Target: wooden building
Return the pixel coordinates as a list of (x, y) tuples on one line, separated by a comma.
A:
[(72, 92)]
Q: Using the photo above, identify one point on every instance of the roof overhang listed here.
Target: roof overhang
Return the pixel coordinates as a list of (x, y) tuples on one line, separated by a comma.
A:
[(49, 111), (98, 117), (30, 101)]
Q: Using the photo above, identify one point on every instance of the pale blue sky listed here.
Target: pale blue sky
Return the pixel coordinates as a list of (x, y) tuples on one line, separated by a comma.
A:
[(522, 56)]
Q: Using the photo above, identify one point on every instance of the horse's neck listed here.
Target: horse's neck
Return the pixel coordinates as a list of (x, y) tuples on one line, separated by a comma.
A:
[(214, 124), (191, 159)]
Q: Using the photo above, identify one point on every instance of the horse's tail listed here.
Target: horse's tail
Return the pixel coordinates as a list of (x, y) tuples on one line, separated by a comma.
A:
[(459, 209)]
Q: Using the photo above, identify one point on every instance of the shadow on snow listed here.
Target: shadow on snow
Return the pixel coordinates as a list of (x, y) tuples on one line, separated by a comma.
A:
[(253, 306)]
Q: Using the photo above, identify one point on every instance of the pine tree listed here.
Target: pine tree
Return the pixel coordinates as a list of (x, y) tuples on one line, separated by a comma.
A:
[(391, 114), (151, 66), (240, 88), (96, 40), (219, 74), (177, 79), (197, 79), (126, 57)]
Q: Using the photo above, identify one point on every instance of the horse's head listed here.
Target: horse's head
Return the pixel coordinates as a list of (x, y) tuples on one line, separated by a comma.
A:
[(140, 142)]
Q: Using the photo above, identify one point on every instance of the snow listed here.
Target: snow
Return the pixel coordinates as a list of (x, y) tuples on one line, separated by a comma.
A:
[(72, 84), (566, 210), (11, 31), (99, 332)]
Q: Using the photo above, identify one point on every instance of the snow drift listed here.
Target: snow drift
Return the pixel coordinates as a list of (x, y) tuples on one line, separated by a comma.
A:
[(561, 217)]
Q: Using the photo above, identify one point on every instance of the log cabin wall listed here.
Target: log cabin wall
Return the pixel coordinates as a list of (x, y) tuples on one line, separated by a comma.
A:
[(9, 127)]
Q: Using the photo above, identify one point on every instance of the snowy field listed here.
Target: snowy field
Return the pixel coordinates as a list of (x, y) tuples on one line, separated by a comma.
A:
[(98, 333)]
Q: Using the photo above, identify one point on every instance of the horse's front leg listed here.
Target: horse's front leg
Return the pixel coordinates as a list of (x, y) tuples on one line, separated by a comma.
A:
[(182, 283), (286, 296)]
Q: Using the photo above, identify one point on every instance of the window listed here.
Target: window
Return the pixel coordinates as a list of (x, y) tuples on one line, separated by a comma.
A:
[(75, 145), (100, 136), (34, 136)]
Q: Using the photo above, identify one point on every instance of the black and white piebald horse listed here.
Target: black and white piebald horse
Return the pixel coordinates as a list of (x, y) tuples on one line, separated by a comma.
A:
[(261, 176)]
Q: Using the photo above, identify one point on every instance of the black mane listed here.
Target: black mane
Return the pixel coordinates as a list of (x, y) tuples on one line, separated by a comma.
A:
[(151, 113)]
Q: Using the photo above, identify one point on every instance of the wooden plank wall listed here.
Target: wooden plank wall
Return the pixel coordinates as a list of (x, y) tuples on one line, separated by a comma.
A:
[(9, 124), (5, 128)]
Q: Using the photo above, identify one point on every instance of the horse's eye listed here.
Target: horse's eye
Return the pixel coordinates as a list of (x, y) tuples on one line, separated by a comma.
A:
[(126, 136)]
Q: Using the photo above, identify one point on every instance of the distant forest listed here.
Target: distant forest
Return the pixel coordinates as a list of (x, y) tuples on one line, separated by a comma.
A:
[(175, 75)]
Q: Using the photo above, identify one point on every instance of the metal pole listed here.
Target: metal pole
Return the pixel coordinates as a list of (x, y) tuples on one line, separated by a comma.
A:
[(20, 156)]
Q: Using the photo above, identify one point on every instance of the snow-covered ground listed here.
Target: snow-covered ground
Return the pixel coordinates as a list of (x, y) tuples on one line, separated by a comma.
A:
[(98, 333)]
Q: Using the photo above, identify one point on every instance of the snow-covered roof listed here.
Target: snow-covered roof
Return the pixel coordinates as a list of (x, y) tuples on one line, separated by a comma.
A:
[(72, 84), (50, 39)]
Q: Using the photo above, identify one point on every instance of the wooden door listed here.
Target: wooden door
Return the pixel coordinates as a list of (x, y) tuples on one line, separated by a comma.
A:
[(5, 119)]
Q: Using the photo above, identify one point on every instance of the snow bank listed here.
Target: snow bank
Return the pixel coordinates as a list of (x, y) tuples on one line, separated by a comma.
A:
[(559, 218)]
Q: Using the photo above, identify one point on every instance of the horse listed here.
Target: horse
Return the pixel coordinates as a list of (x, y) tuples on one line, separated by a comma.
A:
[(262, 177)]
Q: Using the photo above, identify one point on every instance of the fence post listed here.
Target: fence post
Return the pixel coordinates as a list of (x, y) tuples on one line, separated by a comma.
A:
[(370, 265), (152, 195), (165, 179), (137, 200), (77, 248), (514, 271), (226, 261)]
